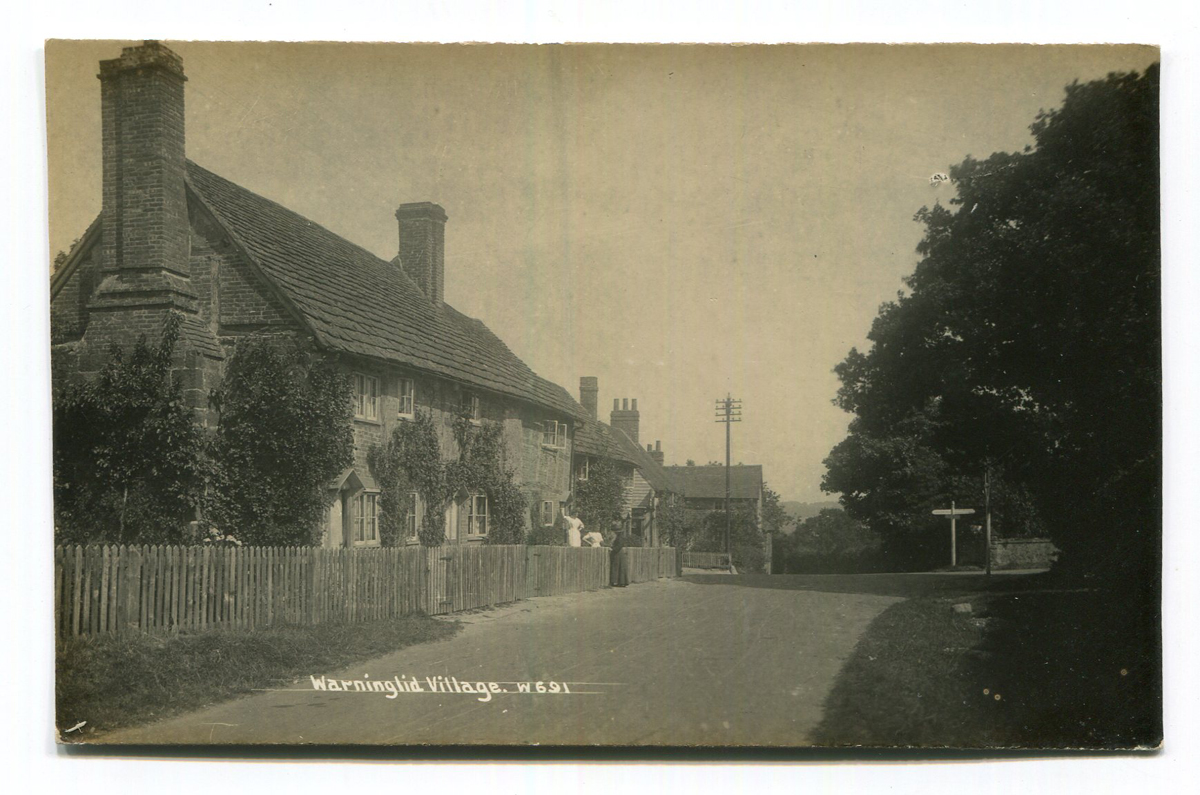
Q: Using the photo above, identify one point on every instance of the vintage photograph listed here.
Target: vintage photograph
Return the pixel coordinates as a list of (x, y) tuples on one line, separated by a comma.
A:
[(789, 396)]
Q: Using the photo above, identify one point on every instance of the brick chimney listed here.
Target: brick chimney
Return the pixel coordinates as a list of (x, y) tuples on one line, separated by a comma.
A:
[(145, 229), (423, 247), (657, 452), (589, 394), (625, 419)]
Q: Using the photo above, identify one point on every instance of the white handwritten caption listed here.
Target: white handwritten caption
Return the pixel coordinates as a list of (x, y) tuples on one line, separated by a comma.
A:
[(483, 691)]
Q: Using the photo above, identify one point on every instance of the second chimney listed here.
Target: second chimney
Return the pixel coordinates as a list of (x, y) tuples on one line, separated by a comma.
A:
[(657, 453), (589, 394), (423, 247), (626, 419)]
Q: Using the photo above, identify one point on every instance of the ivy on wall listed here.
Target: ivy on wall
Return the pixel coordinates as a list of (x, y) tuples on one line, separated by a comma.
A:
[(480, 468), (599, 500), (411, 461), (284, 432)]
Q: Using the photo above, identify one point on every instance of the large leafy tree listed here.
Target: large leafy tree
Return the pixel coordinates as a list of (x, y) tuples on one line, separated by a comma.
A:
[(284, 432), (1028, 342)]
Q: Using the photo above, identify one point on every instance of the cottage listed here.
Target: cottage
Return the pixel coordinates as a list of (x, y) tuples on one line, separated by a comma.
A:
[(173, 238), (703, 487), (647, 485)]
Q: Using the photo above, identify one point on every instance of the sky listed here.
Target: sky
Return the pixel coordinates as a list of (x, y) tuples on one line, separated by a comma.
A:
[(683, 222)]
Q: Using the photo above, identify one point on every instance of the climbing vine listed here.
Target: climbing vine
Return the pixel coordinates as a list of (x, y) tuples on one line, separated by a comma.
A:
[(410, 461), (480, 468)]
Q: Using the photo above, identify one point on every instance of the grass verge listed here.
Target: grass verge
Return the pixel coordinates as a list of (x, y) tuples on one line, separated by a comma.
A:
[(112, 682), (1049, 668)]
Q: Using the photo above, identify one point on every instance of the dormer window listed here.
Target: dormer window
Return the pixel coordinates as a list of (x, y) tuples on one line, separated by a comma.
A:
[(554, 434), (406, 391), (366, 397)]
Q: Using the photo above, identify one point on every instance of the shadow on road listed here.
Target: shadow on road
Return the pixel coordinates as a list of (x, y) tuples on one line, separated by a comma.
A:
[(903, 584)]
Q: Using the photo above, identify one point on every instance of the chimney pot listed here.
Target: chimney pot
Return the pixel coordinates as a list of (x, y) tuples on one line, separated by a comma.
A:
[(616, 404), (634, 405), (625, 404)]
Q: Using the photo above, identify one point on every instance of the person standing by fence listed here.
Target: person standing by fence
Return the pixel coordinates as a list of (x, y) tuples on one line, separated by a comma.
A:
[(620, 563), (574, 528)]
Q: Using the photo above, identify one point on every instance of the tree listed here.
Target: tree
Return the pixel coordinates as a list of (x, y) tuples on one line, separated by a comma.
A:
[(774, 518), (599, 500), (128, 457), (284, 432), (830, 542), (1029, 340), (746, 540)]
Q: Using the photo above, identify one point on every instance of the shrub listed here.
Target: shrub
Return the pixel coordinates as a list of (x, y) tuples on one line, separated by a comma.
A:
[(128, 456), (284, 432)]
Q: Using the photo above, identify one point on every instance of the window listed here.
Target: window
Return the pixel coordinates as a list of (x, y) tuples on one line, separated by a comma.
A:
[(477, 515), (364, 517), (554, 433), (472, 407), (410, 517), (407, 394), (547, 513), (366, 397), (582, 473)]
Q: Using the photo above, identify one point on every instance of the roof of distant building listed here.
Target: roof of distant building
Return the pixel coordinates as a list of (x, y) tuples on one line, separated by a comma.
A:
[(708, 482)]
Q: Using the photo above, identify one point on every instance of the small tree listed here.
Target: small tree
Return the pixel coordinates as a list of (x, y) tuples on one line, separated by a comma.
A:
[(128, 456), (746, 540), (284, 433)]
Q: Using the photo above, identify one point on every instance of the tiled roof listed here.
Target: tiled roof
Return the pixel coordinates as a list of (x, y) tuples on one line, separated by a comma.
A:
[(707, 482), (596, 438), (356, 303)]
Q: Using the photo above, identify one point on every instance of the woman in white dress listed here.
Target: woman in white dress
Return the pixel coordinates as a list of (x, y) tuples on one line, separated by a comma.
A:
[(574, 528)]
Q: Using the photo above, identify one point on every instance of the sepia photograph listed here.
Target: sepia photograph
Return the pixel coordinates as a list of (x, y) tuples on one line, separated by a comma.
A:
[(606, 395)]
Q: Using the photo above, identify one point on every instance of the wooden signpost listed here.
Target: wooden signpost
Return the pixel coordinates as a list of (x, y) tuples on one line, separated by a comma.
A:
[(953, 513)]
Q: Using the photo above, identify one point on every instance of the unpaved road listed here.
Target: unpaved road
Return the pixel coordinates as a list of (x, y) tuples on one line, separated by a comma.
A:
[(722, 660)]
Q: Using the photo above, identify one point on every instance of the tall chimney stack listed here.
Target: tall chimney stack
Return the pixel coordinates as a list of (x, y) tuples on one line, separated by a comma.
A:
[(589, 394), (423, 247), (626, 419), (145, 237)]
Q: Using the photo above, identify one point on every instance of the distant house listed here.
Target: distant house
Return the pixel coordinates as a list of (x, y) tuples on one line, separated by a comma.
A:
[(648, 487), (176, 239), (703, 487)]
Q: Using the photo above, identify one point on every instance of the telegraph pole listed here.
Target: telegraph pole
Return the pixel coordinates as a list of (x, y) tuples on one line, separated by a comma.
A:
[(987, 510), (729, 411)]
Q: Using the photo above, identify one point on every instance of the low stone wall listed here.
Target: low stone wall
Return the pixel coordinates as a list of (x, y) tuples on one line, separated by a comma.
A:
[(1023, 553)]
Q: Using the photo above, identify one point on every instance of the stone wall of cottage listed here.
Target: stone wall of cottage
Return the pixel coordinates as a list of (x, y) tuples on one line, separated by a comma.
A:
[(542, 472)]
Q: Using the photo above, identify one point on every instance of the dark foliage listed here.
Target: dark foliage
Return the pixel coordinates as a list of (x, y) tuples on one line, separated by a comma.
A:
[(128, 456), (481, 468), (1028, 343), (411, 461), (284, 433), (746, 540), (599, 500), (828, 543)]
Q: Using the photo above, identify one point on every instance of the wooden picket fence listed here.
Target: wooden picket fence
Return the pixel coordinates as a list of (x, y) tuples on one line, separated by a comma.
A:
[(650, 563), (114, 589), (706, 560)]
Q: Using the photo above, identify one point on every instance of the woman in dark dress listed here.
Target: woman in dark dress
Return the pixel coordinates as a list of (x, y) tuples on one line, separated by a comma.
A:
[(619, 567)]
